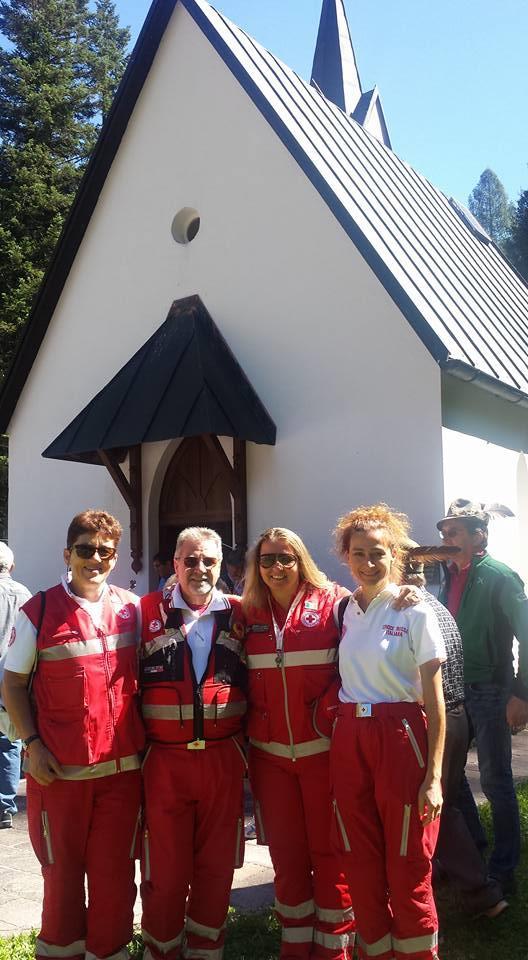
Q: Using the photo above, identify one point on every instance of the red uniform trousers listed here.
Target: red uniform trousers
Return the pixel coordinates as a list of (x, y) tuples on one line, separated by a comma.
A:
[(86, 828), (293, 816), (193, 840), (377, 767)]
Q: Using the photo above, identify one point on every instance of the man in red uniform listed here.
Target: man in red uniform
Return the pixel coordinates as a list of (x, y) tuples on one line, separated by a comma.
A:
[(193, 702), (82, 733)]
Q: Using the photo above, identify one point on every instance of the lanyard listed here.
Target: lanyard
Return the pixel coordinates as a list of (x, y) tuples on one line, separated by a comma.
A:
[(280, 631)]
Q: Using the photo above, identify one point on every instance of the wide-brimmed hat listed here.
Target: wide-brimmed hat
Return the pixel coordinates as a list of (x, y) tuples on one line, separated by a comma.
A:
[(466, 510)]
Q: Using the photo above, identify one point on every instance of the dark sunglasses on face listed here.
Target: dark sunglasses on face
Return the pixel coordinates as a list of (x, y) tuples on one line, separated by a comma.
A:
[(88, 550), (192, 562), (450, 533), (268, 560)]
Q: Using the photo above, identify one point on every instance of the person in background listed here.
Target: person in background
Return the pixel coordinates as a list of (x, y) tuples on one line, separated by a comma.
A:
[(235, 565), (12, 596), (456, 853), (387, 743), (488, 602), (82, 734), (193, 701), (162, 563)]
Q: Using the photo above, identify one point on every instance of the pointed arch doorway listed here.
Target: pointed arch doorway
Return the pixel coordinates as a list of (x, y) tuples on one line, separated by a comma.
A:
[(201, 488)]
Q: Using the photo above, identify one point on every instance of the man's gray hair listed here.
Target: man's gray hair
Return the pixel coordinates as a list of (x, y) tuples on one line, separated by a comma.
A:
[(198, 533), (7, 558)]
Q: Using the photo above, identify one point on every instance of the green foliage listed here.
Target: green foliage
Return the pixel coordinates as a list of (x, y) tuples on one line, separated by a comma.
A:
[(107, 43), (518, 247), (489, 203)]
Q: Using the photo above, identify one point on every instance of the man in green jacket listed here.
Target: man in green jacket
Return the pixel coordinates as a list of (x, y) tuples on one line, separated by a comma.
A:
[(488, 602)]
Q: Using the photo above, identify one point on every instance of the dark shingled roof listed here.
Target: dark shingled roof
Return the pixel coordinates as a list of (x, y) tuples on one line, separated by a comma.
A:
[(183, 382), (461, 296)]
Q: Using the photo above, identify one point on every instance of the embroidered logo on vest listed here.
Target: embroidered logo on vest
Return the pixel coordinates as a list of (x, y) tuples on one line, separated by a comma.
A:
[(310, 619)]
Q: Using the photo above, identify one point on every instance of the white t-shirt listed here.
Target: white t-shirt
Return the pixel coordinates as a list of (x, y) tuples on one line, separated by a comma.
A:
[(199, 627), (382, 649), (21, 652)]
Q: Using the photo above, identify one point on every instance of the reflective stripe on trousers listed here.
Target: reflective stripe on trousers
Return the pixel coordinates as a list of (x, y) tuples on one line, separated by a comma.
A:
[(43, 949)]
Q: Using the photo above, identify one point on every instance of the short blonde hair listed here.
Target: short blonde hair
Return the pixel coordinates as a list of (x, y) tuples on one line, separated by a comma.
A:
[(256, 593), (377, 517)]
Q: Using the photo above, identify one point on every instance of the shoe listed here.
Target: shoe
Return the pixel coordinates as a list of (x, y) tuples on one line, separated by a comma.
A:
[(495, 911), (6, 820)]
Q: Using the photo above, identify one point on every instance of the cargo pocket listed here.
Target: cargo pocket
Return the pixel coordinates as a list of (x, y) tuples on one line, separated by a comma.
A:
[(145, 855), (407, 807), (341, 829), (39, 828), (135, 846), (240, 844), (414, 743)]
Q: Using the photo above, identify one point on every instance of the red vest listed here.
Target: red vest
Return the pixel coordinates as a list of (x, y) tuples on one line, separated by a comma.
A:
[(176, 709), (85, 685), (284, 690)]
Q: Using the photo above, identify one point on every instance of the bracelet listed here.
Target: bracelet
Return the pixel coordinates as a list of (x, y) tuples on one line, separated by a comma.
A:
[(34, 736)]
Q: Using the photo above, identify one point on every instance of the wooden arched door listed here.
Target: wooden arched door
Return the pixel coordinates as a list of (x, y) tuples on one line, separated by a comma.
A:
[(196, 492)]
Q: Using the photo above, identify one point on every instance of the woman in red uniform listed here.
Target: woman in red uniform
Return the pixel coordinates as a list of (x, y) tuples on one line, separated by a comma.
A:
[(291, 654), (387, 744)]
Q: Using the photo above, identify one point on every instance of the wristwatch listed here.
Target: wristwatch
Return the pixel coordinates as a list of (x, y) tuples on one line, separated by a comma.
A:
[(26, 743)]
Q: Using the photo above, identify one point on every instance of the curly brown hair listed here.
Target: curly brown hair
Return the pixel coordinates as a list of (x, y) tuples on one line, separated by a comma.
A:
[(379, 516), (94, 521)]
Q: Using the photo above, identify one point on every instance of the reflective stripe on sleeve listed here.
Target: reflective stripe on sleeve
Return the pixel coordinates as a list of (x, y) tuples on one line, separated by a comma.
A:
[(333, 916), (296, 912), (414, 944), (211, 933), (104, 769), (164, 946), (332, 941), (292, 658), (375, 949), (43, 949), (87, 648), (307, 749), (297, 934)]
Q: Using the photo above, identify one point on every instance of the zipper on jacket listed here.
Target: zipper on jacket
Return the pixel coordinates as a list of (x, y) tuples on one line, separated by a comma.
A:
[(110, 692), (287, 710), (47, 836), (342, 829), (146, 851), (413, 741), (405, 829)]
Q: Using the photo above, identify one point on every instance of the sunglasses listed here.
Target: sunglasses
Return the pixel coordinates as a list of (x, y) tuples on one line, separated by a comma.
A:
[(268, 560), (191, 562), (450, 532), (87, 550)]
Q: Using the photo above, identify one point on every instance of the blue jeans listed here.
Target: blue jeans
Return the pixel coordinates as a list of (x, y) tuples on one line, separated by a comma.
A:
[(9, 773), (486, 707)]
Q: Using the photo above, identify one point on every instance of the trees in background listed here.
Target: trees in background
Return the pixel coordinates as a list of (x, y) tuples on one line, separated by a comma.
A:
[(489, 203), (518, 245), (60, 65)]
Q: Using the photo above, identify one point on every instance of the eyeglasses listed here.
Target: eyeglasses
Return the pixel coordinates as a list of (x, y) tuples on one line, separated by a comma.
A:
[(268, 560), (88, 550), (191, 562), (450, 533)]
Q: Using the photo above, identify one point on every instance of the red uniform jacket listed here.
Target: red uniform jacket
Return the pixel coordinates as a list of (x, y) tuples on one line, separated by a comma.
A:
[(85, 685), (284, 690), (176, 708)]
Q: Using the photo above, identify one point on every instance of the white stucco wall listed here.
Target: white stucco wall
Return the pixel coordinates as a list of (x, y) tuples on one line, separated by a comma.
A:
[(354, 394)]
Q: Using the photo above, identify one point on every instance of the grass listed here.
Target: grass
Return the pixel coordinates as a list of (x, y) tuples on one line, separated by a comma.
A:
[(256, 936)]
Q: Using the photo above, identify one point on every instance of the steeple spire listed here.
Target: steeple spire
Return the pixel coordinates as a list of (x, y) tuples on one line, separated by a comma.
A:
[(334, 68)]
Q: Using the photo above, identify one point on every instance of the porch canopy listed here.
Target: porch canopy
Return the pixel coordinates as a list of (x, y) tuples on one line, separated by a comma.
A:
[(183, 382)]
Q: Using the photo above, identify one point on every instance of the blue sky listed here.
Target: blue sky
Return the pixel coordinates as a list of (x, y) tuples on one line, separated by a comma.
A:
[(453, 75)]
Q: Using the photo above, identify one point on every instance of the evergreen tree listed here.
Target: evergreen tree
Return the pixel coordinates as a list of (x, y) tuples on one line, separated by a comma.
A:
[(108, 42), (56, 79), (518, 246), (489, 203)]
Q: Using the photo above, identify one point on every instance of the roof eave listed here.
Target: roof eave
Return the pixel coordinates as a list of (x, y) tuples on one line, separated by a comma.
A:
[(469, 374)]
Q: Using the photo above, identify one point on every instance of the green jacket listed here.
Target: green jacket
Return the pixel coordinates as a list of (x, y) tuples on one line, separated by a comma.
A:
[(493, 609)]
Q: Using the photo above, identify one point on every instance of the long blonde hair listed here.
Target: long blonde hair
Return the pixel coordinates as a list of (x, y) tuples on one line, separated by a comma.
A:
[(377, 517), (256, 592)]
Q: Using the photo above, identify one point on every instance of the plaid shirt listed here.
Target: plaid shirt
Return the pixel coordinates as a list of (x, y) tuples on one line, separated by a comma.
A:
[(453, 668)]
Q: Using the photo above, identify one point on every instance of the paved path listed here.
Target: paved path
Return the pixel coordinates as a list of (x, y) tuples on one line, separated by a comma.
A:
[(21, 883)]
